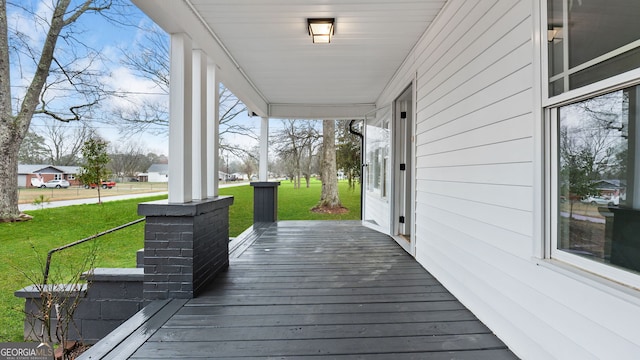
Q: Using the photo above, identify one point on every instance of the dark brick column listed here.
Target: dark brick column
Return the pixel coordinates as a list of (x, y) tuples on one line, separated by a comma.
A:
[(185, 246)]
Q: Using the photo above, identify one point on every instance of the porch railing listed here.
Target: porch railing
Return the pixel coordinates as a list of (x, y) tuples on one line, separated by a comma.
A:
[(53, 251)]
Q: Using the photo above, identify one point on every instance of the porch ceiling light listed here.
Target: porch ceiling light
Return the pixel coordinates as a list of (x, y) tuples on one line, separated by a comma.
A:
[(321, 30)]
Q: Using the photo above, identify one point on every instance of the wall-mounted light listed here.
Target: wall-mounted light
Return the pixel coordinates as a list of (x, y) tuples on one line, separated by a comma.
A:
[(321, 30)]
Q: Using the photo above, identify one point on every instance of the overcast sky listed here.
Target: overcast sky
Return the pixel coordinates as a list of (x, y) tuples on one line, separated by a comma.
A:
[(110, 40)]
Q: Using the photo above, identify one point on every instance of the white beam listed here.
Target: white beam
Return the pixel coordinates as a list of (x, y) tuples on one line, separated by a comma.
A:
[(199, 138), (318, 111), (180, 119), (213, 130), (263, 174)]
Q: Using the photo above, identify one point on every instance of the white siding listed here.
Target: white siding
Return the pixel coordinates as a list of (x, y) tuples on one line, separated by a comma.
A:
[(475, 189)]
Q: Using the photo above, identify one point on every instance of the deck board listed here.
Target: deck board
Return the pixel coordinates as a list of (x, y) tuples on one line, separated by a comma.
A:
[(324, 290)]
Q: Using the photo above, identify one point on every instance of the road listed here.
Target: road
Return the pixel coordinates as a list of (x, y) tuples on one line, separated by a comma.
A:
[(94, 200)]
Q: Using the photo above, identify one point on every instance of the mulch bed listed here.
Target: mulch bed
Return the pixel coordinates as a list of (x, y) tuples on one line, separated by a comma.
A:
[(330, 210)]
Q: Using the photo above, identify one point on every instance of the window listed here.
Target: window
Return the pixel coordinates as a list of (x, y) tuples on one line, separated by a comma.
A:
[(589, 41), (599, 178), (71, 177), (57, 176), (377, 155), (595, 162)]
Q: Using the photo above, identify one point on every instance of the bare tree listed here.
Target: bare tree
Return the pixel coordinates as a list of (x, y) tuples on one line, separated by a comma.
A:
[(249, 164), (53, 68), (127, 159), (64, 143), (296, 144), (151, 62)]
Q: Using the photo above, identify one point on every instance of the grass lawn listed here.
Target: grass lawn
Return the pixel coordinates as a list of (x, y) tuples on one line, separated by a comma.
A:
[(23, 246)]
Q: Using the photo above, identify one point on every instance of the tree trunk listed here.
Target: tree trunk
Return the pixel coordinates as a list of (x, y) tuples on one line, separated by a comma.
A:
[(9, 181), (13, 129), (329, 197), (10, 131)]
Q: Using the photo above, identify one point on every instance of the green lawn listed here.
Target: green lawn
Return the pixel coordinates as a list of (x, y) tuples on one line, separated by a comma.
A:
[(23, 246)]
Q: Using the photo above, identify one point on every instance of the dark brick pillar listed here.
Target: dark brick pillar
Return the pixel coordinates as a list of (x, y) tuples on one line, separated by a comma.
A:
[(185, 246), (265, 201)]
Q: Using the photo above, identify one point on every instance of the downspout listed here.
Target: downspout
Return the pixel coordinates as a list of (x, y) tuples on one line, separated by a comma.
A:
[(362, 165)]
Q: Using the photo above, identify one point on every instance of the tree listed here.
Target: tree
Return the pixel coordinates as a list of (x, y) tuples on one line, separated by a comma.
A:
[(94, 163), (296, 143), (51, 70), (33, 150), (64, 143), (329, 199), (250, 163), (157, 159), (151, 61), (127, 160), (56, 144), (348, 153)]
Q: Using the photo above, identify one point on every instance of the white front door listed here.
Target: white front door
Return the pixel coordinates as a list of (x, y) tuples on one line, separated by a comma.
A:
[(403, 132)]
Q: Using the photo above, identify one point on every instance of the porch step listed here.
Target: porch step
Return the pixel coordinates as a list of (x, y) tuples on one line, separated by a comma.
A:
[(243, 241), (126, 339)]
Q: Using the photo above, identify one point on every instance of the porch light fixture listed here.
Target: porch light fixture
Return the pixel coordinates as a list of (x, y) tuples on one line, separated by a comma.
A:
[(321, 30)]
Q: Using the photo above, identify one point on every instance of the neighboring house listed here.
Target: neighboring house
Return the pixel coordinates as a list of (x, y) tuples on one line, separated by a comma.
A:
[(157, 173), (35, 175), (610, 187), (468, 109)]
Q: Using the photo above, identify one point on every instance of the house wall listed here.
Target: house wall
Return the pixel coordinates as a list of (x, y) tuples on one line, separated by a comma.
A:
[(157, 177), (44, 177), (477, 218)]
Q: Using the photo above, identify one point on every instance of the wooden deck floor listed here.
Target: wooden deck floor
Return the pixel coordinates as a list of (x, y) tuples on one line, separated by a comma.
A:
[(323, 290)]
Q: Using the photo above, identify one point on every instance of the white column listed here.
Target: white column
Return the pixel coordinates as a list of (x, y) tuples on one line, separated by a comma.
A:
[(199, 138), (213, 130), (264, 150), (180, 120)]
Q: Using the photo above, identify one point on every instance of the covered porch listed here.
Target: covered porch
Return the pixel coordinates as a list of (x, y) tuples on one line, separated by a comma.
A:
[(299, 289)]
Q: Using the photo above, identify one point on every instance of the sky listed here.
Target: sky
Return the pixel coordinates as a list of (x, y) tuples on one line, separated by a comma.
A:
[(109, 40)]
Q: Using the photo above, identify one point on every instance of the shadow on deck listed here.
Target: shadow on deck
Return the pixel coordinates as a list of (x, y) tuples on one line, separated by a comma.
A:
[(296, 289)]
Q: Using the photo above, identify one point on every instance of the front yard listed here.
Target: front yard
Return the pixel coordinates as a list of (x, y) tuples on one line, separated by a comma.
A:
[(24, 245), (28, 195)]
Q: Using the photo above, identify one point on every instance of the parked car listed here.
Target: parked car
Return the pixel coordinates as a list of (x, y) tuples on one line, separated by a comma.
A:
[(600, 200), (104, 185), (55, 184)]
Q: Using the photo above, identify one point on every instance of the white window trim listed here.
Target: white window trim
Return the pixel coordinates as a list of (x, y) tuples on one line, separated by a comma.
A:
[(624, 80), (549, 126), (608, 271)]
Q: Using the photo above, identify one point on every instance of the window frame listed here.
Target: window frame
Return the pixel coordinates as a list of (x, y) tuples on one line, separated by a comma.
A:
[(550, 125), (627, 277)]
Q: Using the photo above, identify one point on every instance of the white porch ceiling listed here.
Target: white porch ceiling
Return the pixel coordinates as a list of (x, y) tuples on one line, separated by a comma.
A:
[(267, 59)]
